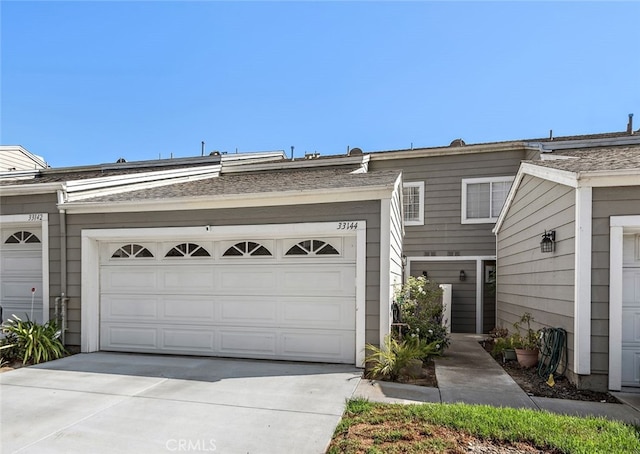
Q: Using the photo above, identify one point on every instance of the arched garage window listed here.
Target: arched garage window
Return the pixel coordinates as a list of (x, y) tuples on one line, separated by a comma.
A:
[(312, 247), (188, 250), (131, 251), (247, 248), (22, 237)]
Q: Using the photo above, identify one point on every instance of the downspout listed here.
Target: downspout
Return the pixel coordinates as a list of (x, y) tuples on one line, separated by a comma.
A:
[(62, 301)]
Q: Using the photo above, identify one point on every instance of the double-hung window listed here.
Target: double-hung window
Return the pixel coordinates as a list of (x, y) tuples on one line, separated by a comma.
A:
[(483, 198), (413, 202)]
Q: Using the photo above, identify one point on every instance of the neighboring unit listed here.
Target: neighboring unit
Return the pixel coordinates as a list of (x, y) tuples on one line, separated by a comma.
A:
[(588, 204)]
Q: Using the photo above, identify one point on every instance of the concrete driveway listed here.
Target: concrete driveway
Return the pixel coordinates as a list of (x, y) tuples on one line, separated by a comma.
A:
[(110, 402)]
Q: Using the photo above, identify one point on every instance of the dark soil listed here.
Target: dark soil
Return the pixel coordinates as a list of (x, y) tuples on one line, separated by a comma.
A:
[(562, 388)]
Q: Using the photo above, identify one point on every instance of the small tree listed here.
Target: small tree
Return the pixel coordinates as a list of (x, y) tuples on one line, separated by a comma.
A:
[(421, 308)]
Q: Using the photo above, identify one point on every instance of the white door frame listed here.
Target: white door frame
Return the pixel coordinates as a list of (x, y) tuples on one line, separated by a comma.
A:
[(41, 220), (90, 320), (618, 226)]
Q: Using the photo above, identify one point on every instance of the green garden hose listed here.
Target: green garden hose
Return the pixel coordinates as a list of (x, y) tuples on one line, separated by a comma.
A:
[(554, 349)]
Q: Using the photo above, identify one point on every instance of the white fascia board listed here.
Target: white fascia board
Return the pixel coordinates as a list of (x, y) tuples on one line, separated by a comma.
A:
[(557, 176), (610, 178), (235, 167), (132, 178), (563, 177), (87, 194), (29, 189), (232, 201)]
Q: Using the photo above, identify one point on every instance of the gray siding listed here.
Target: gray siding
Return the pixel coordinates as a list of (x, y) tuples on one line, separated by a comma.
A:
[(443, 234), (529, 280), (463, 293), (442, 230), (607, 202), (368, 211)]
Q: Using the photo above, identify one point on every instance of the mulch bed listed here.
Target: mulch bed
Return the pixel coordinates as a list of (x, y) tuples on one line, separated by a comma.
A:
[(532, 384)]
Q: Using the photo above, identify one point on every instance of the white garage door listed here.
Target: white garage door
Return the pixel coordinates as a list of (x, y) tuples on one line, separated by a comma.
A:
[(21, 273), (631, 312), (288, 298)]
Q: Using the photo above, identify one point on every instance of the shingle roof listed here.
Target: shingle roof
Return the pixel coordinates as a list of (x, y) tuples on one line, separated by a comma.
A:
[(259, 183), (602, 159)]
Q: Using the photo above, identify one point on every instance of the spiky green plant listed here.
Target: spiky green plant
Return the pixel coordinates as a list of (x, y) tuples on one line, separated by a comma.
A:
[(33, 341), (387, 362)]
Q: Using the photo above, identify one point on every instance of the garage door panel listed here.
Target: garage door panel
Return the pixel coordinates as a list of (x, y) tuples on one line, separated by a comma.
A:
[(190, 339), (188, 308), (631, 366), (242, 343), (186, 279), (129, 280), (249, 279), (325, 313), (21, 263), (248, 311), (317, 345), (118, 307), (129, 337), (311, 280)]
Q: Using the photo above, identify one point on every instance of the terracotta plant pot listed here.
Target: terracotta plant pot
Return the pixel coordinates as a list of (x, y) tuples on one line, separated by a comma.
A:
[(527, 358)]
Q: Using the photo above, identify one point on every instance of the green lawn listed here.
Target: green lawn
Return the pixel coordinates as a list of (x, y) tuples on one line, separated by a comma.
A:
[(370, 428)]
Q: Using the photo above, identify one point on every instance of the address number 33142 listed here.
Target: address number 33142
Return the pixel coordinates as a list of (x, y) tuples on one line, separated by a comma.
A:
[(347, 225)]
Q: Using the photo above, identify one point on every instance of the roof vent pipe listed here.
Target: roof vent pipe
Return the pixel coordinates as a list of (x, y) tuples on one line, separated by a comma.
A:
[(630, 125)]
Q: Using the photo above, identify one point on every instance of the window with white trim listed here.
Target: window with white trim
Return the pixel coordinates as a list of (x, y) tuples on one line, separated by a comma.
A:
[(483, 198), (413, 202)]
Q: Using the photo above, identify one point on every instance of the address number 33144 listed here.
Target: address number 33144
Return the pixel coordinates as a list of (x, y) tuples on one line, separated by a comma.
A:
[(347, 225)]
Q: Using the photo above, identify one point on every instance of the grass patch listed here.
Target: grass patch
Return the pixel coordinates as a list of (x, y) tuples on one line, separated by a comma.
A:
[(368, 427)]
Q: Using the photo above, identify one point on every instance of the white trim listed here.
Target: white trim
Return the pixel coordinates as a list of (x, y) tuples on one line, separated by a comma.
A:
[(30, 188), (90, 256), (463, 205), (582, 284), (420, 186), (96, 187), (232, 201), (42, 220), (616, 234), (361, 290), (479, 305), (618, 226), (479, 277), (386, 288), (545, 173)]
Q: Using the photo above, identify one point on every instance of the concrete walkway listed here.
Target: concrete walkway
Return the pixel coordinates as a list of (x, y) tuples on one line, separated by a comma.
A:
[(467, 373)]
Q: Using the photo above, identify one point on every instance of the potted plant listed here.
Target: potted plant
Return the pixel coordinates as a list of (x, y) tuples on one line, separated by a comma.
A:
[(500, 344), (526, 344)]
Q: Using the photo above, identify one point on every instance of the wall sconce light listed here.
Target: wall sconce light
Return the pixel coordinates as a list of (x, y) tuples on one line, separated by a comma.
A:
[(548, 242), (463, 276), (425, 274), (404, 261)]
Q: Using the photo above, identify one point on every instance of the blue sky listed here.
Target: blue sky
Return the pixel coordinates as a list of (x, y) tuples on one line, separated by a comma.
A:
[(89, 82)]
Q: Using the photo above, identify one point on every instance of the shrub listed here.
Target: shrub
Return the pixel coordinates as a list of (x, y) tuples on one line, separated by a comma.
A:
[(387, 362), (31, 341), (421, 308)]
